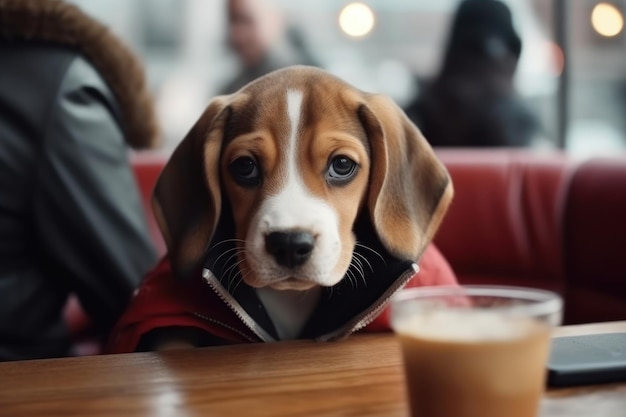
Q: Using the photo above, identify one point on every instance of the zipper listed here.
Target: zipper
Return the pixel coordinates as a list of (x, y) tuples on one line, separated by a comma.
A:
[(239, 311), (370, 314)]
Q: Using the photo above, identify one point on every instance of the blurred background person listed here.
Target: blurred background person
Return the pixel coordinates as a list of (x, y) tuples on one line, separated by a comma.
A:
[(472, 101), (262, 40), (72, 101)]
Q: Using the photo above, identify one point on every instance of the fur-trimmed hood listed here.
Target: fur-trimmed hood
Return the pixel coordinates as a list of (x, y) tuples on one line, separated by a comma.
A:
[(61, 23)]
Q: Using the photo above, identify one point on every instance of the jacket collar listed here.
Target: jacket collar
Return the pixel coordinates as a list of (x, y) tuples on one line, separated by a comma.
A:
[(341, 310)]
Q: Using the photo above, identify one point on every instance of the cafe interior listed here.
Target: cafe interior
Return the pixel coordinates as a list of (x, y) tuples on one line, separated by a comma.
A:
[(543, 210), (548, 215)]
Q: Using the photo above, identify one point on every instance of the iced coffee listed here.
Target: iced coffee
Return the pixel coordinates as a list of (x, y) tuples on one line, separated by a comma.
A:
[(469, 355)]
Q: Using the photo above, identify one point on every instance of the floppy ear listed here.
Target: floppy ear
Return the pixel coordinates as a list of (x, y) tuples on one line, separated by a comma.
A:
[(410, 189), (186, 198)]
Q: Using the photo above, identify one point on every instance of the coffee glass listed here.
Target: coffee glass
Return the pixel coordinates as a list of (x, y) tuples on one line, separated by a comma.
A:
[(475, 351)]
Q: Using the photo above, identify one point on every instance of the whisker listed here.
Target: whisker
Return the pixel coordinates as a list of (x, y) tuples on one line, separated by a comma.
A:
[(235, 249), (330, 292), (223, 242), (363, 278), (230, 281), (363, 258), (233, 269), (371, 250), (349, 275), (361, 275), (354, 279), (356, 262), (234, 281), (230, 263), (242, 274)]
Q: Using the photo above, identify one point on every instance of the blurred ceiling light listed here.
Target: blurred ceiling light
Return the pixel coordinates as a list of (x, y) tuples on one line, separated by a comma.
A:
[(356, 20), (607, 20)]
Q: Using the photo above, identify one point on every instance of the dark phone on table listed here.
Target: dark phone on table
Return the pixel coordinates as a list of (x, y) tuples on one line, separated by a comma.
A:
[(587, 359)]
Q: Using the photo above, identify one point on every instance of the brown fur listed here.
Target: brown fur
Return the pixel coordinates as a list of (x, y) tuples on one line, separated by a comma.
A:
[(406, 190), (411, 189), (61, 23), (334, 130)]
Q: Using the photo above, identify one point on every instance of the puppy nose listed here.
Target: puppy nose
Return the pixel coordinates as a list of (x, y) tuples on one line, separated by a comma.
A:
[(290, 249)]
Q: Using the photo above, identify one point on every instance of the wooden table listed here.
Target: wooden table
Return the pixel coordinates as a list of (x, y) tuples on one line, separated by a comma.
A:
[(361, 376)]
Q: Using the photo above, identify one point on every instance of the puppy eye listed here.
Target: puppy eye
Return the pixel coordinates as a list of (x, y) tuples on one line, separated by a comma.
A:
[(245, 172), (341, 170)]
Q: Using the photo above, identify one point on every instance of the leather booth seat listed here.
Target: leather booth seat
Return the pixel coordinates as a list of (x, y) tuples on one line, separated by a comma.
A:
[(504, 223), (147, 167), (595, 241), (540, 220)]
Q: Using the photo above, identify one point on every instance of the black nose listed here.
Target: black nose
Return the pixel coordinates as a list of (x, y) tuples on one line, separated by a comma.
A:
[(290, 249)]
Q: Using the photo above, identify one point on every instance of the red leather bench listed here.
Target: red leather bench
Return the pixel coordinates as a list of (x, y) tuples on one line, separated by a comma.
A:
[(147, 167), (540, 220), (595, 241), (504, 223)]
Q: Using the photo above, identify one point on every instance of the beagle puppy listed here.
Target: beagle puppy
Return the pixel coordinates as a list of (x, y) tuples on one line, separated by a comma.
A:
[(312, 198)]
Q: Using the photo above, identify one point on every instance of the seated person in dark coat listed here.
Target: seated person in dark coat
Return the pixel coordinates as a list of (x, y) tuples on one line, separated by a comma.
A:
[(472, 102), (72, 101)]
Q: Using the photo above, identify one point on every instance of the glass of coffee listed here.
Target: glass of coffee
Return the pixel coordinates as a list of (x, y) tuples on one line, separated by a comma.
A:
[(475, 351)]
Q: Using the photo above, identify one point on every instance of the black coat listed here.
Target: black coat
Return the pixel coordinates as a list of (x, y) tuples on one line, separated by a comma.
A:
[(71, 219)]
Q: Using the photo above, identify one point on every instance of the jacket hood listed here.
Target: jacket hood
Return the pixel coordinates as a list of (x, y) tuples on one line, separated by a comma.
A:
[(60, 23)]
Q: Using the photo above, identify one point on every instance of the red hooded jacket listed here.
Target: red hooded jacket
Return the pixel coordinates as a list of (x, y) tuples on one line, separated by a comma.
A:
[(203, 304)]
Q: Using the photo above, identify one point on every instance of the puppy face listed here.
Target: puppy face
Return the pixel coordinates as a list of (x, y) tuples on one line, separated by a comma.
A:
[(298, 154), (295, 170)]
